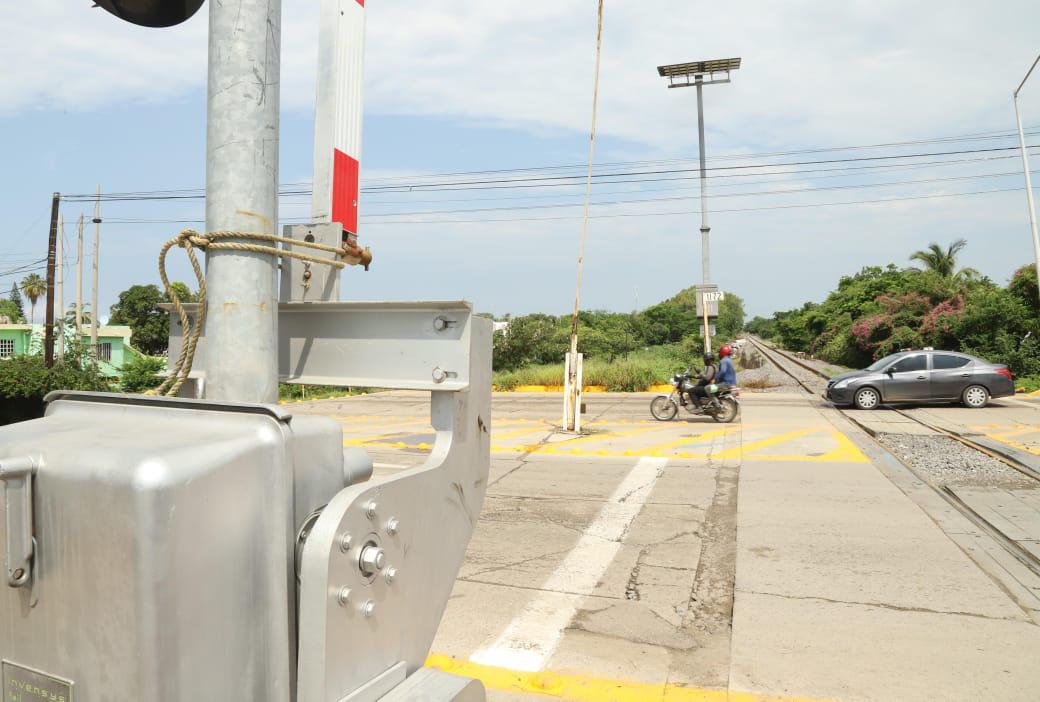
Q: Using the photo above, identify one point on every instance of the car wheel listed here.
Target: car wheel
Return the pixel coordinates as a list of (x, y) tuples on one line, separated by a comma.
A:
[(867, 399), (975, 396)]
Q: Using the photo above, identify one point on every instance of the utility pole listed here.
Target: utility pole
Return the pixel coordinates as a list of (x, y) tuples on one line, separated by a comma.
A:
[(572, 365), (94, 293), (48, 331), (59, 294), (242, 195), (79, 282), (1025, 170), (686, 75)]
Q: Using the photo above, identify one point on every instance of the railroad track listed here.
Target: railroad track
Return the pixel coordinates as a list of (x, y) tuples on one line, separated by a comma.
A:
[(814, 381)]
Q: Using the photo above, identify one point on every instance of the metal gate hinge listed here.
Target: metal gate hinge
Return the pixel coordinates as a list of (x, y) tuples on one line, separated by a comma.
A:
[(16, 474)]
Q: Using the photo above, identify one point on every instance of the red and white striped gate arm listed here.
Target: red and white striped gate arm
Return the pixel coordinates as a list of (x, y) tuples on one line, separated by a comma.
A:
[(338, 112)]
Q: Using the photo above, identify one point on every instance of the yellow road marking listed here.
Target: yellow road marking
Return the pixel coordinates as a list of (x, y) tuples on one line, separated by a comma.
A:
[(585, 688), (659, 449), (744, 449), (1013, 444)]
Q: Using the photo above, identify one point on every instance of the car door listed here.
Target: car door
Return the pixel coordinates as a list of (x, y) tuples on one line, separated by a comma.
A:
[(950, 375), (907, 380)]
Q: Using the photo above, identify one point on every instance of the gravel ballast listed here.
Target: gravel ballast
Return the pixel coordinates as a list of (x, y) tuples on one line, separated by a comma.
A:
[(946, 461)]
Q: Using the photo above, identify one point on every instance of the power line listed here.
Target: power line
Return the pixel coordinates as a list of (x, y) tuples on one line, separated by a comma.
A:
[(542, 180)]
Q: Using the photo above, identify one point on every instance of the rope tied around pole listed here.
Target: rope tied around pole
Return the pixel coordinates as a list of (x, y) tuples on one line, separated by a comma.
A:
[(225, 240)]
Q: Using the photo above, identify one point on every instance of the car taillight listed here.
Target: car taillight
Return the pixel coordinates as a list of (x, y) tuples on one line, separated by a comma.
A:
[(1006, 373)]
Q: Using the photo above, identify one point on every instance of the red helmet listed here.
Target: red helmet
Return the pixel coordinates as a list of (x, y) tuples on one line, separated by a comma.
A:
[(725, 351)]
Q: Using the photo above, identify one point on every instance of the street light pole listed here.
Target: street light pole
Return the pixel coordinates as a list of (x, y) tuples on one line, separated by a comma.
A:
[(686, 75), (705, 228), (1025, 169)]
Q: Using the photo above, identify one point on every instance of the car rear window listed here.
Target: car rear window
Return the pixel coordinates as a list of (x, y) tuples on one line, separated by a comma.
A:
[(944, 361), (911, 363)]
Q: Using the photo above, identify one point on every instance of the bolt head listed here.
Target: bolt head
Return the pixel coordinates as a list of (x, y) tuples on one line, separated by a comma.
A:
[(390, 575), (369, 608), (343, 596), (439, 375), (345, 542), (370, 510), (372, 560), (392, 526)]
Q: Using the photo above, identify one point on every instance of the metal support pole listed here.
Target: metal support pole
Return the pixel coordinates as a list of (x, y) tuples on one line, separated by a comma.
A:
[(573, 385), (95, 316), (242, 195), (705, 229), (52, 254), (59, 294), (1025, 170)]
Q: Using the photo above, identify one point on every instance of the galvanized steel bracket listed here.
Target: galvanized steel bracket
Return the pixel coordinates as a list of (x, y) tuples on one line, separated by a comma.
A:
[(16, 474), (381, 560)]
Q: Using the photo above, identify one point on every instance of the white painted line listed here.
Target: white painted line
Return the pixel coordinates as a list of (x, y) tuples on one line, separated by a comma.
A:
[(530, 639)]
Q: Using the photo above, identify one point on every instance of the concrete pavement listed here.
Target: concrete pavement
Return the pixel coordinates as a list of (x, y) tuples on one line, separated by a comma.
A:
[(782, 556)]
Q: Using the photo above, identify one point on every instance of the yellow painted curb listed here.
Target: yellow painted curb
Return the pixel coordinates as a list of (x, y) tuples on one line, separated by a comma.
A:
[(660, 388), (587, 388), (584, 688)]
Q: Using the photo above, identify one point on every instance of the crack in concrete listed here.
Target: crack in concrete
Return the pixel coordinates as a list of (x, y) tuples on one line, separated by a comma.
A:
[(882, 605)]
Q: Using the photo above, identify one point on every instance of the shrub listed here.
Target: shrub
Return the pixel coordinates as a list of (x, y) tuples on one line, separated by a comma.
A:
[(142, 373)]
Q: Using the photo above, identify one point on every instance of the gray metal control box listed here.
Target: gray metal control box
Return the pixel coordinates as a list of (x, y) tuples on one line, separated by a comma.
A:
[(162, 534)]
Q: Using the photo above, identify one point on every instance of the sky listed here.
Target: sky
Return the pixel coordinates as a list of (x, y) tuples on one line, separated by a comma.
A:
[(803, 188)]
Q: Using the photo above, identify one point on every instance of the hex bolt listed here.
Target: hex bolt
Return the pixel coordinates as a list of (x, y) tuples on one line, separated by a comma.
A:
[(372, 559), (343, 596), (370, 510), (390, 575), (440, 324), (439, 375), (345, 542), (369, 608), (392, 526)]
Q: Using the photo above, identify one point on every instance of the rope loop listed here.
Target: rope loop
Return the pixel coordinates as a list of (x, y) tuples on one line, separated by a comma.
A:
[(226, 240)]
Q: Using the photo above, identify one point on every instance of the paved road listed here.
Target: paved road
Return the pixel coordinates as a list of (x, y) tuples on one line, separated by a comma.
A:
[(784, 555)]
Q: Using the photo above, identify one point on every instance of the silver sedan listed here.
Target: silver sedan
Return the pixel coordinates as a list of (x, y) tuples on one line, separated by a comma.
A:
[(922, 377)]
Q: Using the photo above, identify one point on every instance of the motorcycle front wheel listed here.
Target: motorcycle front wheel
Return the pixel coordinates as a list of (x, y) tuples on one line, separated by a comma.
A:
[(728, 410), (663, 409)]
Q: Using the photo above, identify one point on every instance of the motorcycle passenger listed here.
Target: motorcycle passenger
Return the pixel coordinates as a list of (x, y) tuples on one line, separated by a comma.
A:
[(706, 378), (727, 376)]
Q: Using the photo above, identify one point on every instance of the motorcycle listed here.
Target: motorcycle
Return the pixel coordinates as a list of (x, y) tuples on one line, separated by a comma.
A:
[(721, 405)]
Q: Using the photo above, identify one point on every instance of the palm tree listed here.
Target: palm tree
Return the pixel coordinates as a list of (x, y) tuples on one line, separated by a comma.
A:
[(942, 262), (34, 288)]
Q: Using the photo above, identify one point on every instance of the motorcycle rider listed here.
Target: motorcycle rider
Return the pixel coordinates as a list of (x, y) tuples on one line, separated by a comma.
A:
[(727, 376), (704, 379)]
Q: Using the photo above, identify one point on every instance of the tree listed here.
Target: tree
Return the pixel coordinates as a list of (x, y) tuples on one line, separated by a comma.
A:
[(34, 287), (85, 315), (138, 308), (16, 300), (7, 309), (943, 263)]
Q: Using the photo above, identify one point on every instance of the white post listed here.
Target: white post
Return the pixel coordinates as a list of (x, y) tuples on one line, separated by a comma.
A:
[(79, 283), (59, 293), (1025, 169), (242, 195), (94, 293)]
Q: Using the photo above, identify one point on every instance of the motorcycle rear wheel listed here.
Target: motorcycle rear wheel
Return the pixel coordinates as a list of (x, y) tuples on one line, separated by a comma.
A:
[(727, 412), (663, 409)]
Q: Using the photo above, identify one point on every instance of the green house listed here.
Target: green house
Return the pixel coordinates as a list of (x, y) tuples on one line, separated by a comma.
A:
[(113, 348)]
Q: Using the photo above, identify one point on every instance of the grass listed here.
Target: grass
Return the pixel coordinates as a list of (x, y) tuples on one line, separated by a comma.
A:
[(637, 372), (287, 391), (1028, 383)]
